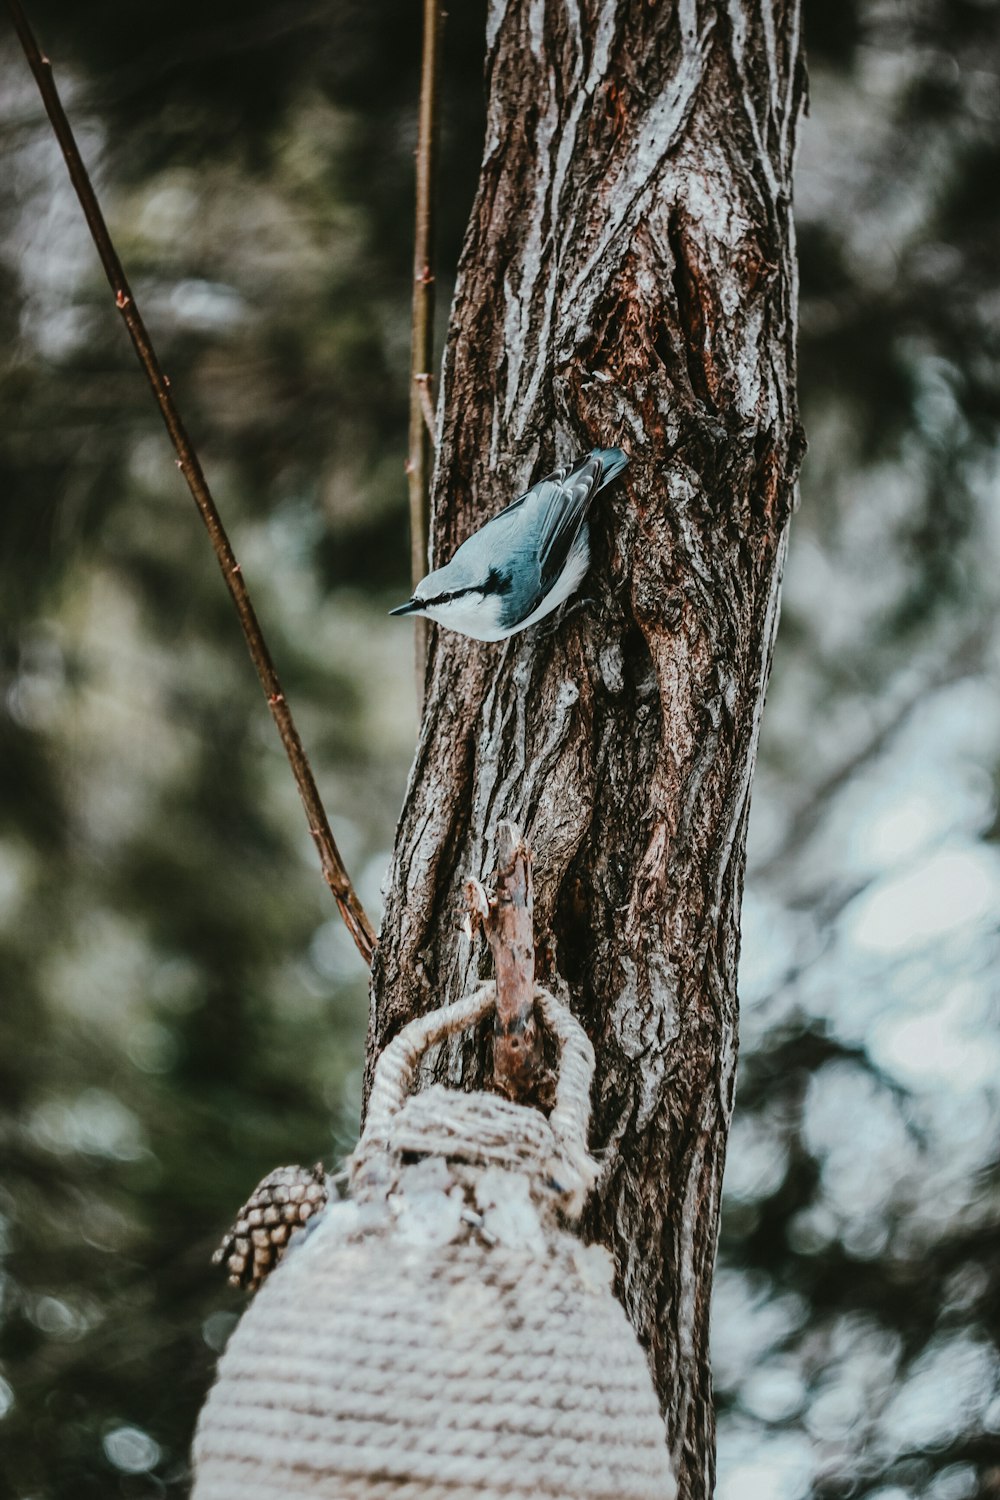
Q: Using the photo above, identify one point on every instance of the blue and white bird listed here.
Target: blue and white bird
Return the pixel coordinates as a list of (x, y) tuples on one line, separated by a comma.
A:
[(524, 562)]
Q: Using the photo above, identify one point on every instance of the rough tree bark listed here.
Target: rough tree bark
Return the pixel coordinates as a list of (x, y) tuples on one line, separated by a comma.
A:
[(628, 277)]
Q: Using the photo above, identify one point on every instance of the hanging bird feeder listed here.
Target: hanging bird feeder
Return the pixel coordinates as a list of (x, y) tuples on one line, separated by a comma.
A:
[(442, 1334)]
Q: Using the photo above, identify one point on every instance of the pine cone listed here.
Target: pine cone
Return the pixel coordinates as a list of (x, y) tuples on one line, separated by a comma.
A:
[(276, 1208)]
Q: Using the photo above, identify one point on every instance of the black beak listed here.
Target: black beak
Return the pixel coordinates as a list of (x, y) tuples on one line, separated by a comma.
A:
[(407, 608)]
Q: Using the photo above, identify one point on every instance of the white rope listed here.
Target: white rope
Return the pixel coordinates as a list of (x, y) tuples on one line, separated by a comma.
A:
[(397, 1065), (570, 1117)]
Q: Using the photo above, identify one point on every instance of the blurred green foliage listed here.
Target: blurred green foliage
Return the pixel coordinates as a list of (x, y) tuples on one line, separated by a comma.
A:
[(181, 1011)]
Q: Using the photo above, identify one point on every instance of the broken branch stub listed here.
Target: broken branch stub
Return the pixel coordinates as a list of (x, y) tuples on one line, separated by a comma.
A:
[(509, 926)]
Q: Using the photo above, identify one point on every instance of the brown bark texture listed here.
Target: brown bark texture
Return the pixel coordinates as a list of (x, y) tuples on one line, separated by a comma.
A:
[(627, 277)]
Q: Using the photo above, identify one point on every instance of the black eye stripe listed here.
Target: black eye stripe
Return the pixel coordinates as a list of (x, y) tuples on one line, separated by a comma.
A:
[(496, 583), (455, 594)]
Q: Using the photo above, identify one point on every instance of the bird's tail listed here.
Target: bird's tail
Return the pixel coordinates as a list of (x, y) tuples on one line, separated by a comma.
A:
[(613, 461)]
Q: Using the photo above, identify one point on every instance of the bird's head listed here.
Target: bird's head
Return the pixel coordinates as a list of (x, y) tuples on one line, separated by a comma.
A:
[(460, 597)]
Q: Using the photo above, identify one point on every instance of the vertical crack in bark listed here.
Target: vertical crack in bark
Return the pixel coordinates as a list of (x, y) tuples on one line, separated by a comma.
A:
[(627, 275), (692, 300)]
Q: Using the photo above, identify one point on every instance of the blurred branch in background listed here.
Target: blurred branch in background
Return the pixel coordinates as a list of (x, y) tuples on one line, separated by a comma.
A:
[(967, 657), (334, 873), (422, 337)]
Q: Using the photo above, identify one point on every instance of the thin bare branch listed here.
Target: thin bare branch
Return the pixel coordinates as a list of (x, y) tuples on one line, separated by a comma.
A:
[(331, 863), (418, 465)]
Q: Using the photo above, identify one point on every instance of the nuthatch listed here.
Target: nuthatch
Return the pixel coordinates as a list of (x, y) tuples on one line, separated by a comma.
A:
[(524, 562)]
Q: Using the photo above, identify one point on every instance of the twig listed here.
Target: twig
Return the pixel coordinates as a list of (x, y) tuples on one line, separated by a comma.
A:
[(331, 863), (422, 329), (508, 921), (423, 384)]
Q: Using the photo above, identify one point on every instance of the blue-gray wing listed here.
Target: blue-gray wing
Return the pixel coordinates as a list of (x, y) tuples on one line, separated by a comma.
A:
[(564, 497)]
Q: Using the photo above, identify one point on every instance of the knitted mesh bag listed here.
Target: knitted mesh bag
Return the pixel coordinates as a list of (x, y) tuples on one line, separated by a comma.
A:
[(442, 1332)]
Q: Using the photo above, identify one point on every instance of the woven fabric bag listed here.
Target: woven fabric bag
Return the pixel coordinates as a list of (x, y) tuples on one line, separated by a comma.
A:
[(442, 1334)]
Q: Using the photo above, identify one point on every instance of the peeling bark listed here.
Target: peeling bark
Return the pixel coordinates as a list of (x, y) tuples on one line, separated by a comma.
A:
[(627, 277)]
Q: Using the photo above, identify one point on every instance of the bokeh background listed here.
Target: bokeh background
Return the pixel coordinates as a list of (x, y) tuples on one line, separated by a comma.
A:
[(180, 1009)]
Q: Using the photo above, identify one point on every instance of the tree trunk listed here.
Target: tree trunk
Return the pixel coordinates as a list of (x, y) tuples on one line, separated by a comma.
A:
[(627, 277)]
